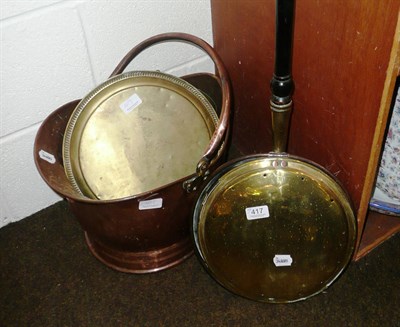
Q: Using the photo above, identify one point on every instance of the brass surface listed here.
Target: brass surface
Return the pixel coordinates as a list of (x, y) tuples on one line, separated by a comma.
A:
[(110, 153), (280, 115), (310, 219)]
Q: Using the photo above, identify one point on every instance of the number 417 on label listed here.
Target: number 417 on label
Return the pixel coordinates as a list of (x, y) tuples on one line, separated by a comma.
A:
[(259, 212)]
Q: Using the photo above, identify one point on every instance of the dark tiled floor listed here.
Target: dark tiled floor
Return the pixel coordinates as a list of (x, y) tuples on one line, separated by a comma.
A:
[(49, 278)]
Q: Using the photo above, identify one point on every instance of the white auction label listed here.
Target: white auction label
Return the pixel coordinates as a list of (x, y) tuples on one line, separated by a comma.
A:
[(150, 204), (131, 103), (259, 212), (283, 260), (47, 156)]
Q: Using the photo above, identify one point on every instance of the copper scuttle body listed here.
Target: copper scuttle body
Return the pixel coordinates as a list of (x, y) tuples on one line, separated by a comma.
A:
[(140, 224)]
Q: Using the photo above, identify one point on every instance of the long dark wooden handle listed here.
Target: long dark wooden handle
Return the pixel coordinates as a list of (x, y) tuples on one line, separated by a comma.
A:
[(282, 83)]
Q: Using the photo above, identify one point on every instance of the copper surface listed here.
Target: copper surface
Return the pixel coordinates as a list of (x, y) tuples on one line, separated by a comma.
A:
[(117, 231)]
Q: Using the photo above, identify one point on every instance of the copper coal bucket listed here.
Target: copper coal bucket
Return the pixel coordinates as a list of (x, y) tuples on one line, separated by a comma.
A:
[(148, 231)]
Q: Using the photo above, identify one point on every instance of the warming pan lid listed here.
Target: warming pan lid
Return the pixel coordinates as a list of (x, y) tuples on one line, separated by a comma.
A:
[(274, 228), (136, 132)]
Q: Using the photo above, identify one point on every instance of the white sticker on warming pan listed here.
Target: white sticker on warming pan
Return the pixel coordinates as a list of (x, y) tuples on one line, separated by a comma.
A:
[(283, 260), (150, 204), (131, 103), (259, 212), (47, 156)]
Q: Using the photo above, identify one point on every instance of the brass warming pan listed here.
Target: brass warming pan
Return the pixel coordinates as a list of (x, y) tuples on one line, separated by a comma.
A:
[(275, 227), (134, 172)]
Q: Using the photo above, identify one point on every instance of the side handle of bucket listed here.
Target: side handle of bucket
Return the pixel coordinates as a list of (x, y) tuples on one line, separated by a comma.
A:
[(218, 139)]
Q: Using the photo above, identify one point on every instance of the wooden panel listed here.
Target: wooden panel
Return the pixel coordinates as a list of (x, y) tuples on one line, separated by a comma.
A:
[(243, 36), (378, 228), (341, 53), (388, 95)]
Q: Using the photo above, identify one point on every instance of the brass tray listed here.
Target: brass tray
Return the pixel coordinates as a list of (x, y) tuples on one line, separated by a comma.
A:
[(136, 132)]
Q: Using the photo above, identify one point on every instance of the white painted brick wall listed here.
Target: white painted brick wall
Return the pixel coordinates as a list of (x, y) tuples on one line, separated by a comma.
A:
[(53, 52)]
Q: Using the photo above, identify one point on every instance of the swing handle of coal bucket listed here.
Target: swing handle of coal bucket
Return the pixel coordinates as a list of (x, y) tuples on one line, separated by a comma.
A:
[(282, 84), (212, 153)]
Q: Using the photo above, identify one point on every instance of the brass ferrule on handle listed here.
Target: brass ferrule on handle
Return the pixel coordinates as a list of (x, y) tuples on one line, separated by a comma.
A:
[(280, 125)]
